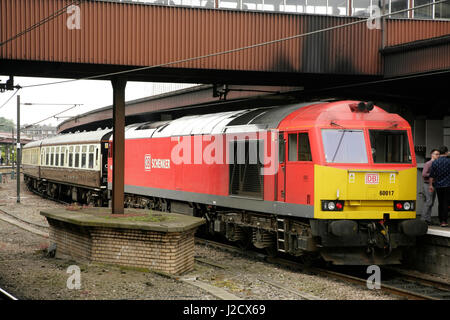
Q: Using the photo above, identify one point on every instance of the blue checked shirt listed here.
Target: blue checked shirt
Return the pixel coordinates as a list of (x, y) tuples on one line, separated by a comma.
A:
[(440, 172)]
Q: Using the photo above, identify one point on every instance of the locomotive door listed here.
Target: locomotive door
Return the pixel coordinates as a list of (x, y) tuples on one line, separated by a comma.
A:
[(299, 174), (281, 174)]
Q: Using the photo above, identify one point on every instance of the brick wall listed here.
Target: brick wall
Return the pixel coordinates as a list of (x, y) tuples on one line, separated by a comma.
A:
[(169, 252)]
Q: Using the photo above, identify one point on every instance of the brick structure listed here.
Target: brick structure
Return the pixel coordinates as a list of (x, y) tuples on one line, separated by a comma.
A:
[(124, 243)]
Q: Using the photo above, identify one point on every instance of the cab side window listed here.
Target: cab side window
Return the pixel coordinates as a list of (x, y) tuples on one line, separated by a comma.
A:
[(304, 149), (299, 147)]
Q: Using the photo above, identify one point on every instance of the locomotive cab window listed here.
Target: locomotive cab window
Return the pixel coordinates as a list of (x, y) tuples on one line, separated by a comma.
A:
[(299, 147), (390, 146), (344, 146)]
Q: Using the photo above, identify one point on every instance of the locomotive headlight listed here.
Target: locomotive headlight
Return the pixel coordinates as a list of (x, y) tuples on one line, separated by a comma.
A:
[(331, 206), (407, 206), (404, 205)]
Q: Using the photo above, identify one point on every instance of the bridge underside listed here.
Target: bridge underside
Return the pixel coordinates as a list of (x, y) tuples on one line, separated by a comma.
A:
[(178, 75)]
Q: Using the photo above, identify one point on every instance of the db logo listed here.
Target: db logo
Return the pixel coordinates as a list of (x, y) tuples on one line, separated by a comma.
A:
[(372, 178), (148, 162)]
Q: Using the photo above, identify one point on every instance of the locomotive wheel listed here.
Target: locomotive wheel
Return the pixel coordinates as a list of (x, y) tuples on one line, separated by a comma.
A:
[(271, 251), (245, 243)]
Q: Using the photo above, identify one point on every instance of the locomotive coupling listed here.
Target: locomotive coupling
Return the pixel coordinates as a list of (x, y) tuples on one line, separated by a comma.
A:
[(414, 227), (343, 228)]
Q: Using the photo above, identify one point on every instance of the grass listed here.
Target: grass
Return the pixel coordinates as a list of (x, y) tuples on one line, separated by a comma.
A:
[(133, 217), (146, 218)]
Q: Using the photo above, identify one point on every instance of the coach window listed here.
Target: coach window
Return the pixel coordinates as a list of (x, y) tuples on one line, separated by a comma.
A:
[(83, 156), (42, 156), (96, 157), (91, 157), (57, 157), (63, 151), (77, 157), (70, 157), (52, 156)]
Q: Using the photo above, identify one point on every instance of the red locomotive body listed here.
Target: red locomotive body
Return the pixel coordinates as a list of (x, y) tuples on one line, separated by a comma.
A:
[(312, 177)]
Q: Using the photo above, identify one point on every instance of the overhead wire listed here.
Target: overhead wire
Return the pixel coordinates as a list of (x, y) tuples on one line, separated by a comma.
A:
[(53, 116), (12, 96)]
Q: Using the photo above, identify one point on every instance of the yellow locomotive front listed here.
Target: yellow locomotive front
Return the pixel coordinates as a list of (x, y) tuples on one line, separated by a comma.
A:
[(365, 194)]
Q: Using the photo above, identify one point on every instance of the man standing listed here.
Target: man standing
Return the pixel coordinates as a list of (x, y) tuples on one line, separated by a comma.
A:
[(440, 179), (429, 196)]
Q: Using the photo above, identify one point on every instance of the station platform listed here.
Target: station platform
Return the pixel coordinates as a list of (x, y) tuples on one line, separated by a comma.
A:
[(431, 253), (439, 231)]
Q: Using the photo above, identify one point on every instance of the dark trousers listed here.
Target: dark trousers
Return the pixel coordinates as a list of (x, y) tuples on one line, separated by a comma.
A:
[(443, 195)]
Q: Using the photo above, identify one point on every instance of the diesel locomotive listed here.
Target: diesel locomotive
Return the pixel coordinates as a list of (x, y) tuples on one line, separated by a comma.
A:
[(330, 179)]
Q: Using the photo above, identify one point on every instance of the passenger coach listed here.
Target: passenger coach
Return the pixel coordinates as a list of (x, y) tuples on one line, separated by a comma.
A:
[(69, 167)]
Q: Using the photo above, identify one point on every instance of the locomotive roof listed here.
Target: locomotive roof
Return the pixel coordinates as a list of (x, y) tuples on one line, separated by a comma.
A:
[(73, 138), (216, 123), (339, 113)]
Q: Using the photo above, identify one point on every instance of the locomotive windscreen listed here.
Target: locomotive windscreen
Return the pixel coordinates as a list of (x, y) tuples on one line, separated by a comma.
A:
[(344, 146), (390, 146)]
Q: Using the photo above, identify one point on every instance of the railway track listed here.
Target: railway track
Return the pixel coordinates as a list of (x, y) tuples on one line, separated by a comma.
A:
[(394, 281), (4, 295)]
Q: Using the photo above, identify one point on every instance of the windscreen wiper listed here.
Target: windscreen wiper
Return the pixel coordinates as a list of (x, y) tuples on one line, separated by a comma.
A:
[(339, 145)]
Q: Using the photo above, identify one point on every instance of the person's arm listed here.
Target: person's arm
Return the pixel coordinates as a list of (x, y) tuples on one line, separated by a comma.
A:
[(431, 176), (426, 169), (431, 188)]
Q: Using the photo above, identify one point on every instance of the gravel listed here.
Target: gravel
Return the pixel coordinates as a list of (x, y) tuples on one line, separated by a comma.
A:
[(28, 273)]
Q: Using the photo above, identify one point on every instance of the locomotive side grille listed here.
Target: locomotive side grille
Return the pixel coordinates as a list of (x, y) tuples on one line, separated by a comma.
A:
[(245, 169)]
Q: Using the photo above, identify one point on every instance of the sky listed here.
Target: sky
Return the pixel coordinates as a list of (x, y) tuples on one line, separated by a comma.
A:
[(91, 94)]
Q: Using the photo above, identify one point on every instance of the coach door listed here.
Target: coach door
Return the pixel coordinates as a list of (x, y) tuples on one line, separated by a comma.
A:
[(299, 169), (281, 174)]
